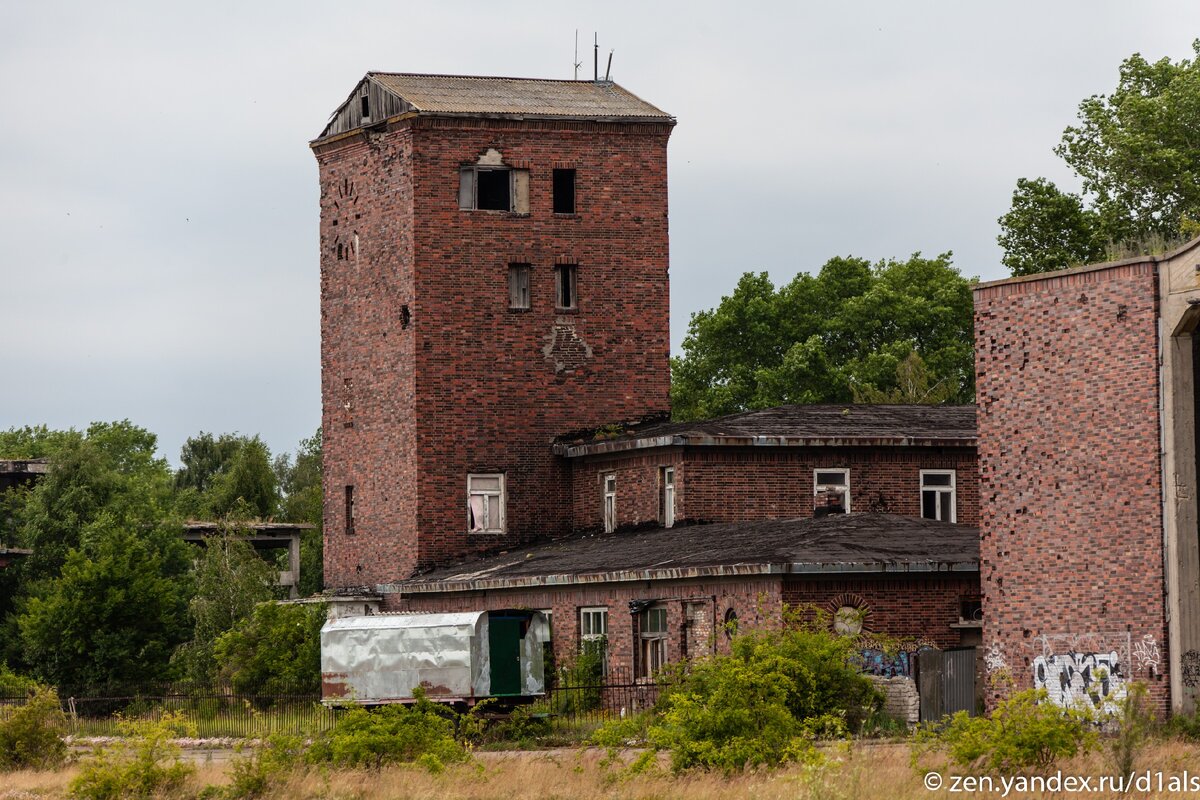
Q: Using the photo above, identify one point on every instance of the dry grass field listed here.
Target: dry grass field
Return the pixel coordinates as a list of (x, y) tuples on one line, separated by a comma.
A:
[(865, 771)]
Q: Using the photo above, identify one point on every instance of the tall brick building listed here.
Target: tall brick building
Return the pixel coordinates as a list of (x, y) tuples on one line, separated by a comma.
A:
[(495, 383), (1090, 558)]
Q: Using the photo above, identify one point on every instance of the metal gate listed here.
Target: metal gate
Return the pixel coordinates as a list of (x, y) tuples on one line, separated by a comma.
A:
[(946, 682)]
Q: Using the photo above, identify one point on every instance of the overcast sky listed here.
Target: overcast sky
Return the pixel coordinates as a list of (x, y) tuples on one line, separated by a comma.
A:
[(158, 199)]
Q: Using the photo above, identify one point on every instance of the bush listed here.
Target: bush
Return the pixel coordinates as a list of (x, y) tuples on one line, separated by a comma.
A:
[(763, 704), (1133, 726), (393, 734), (31, 735), (580, 680), (270, 763), (144, 764), (1025, 731), (275, 651), (14, 685)]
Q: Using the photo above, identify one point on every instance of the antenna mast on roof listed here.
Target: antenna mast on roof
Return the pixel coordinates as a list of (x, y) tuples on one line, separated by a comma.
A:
[(577, 61), (596, 57), (608, 69)]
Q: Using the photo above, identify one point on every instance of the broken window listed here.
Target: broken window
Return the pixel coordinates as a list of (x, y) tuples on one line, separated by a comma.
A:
[(593, 634), (938, 495), (564, 191), (493, 189), (610, 503), (518, 286), (564, 286), (666, 497), (831, 488), (652, 634), (349, 510), (485, 503), (366, 107)]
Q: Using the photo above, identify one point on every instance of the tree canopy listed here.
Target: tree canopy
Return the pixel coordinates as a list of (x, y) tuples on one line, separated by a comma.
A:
[(839, 336), (1137, 157)]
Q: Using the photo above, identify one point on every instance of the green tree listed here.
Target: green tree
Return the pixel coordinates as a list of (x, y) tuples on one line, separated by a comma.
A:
[(300, 484), (1138, 159), (115, 615), (824, 338), (231, 579), (226, 477), (276, 650)]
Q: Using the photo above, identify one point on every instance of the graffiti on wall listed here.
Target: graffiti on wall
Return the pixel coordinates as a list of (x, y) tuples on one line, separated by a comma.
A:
[(1085, 670), (884, 664), (1190, 669), (994, 658), (1146, 654)]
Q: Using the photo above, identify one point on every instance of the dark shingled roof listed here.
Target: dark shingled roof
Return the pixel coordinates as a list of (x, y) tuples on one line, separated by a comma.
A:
[(799, 425), (466, 94), (858, 543)]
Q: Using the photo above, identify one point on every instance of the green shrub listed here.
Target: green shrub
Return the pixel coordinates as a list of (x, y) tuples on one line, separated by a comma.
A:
[(31, 735), (580, 680), (14, 685), (763, 704), (1133, 726), (145, 763), (270, 763), (1025, 731), (276, 650), (393, 734)]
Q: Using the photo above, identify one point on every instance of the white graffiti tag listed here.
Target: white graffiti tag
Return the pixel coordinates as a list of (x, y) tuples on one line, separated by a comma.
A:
[(1146, 653), (1081, 680), (994, 658)]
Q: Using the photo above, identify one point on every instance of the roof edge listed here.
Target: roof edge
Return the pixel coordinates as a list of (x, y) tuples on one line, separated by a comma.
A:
[(704, 440), (1085, 268)]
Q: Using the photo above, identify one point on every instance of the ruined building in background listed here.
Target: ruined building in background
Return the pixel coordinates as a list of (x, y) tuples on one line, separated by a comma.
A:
[(495, 383), (1087, 391)]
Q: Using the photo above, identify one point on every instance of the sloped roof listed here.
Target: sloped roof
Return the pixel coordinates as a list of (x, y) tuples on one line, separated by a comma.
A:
[(797, 425), (464, 94), (839, 543)]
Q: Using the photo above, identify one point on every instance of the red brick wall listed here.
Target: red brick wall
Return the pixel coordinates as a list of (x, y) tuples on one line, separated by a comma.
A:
[(1071, 532), (366, 192), (470, 386), (725, 484), (754, 600), (916, 608)]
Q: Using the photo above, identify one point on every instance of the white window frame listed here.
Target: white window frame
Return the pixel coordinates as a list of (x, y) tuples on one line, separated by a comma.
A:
[(818, 488), (667, 476), (951, 490), (593, 613), (610, 502), (489, 499), (652, 645)]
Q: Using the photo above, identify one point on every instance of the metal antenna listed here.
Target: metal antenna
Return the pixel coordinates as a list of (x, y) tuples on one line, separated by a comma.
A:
[(577, 61), (596, 57), (608, 69)]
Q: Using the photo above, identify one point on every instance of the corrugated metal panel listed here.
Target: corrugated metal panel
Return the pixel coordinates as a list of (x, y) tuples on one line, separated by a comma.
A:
[(958, 681)]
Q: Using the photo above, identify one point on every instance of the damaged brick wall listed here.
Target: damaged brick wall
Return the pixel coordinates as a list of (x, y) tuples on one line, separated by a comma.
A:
[(428, 375), (1071, 531)]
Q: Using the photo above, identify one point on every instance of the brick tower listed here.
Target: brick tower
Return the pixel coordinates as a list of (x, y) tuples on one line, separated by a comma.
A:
[(493, 274)]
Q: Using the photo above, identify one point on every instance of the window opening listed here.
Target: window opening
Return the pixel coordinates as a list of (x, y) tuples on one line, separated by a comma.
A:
[(564, 191), (610, 503), (485, 503), (831, 488), (518, 286), (666, 500), (938, 499), (565, 286)]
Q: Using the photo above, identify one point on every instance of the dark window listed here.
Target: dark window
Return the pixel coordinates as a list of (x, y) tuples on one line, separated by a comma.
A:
[(564, 286), (492, 189), (349, 509), (564, 191), (518, 286), (366, 107)]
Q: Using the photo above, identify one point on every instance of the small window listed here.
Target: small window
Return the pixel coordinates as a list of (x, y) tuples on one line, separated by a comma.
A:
[(593, 634), (564, 191), (493, 189), (485, 503), (938, 495), (666, 498), (518, 286), (564, 286), (731, 623), (653, 640), (831, 488), (610, 503), (349, 510), (366, 107)]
